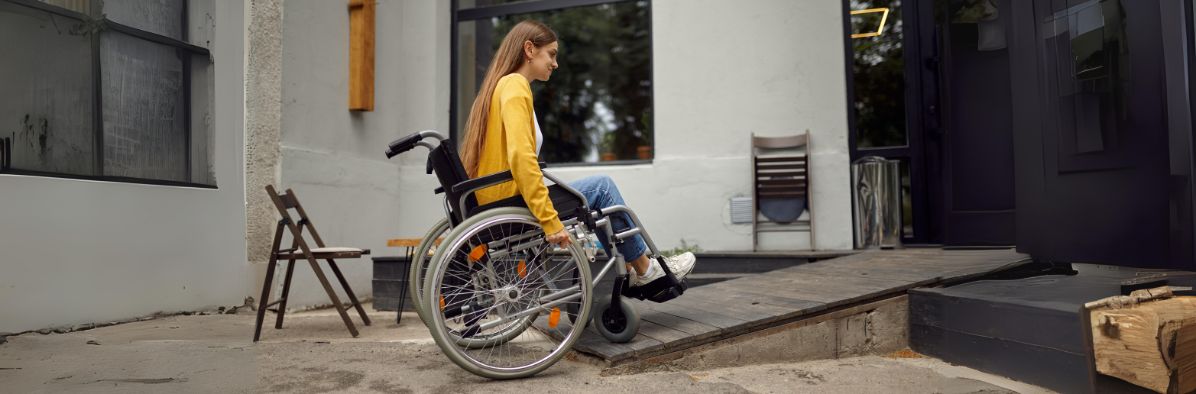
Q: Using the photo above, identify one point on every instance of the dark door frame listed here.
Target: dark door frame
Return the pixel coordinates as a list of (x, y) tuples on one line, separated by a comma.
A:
[(1178, 33)]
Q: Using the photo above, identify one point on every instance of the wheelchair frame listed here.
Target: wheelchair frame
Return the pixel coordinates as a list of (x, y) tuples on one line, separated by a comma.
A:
[(580, 226)]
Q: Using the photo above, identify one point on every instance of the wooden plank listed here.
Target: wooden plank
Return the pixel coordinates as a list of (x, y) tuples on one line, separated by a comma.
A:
[(788, 291), (731, 295), (815, 287), (736, 304), (694, 329), (779, 159), (746, 312), (661, 333), (708, 317), (593, 343), (642, 343), (408, 242), (726, 309), (755, 315), (865, 271), (361, 54)]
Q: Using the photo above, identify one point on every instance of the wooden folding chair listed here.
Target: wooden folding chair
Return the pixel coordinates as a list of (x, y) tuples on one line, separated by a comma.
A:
[(300, 249), (781, 184)]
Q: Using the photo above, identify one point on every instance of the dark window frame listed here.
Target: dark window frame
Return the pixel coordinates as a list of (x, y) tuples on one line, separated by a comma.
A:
[(459, 15), (96, 18)]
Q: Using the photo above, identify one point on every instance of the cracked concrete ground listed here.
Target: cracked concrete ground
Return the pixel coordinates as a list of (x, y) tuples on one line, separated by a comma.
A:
[(315, 354)]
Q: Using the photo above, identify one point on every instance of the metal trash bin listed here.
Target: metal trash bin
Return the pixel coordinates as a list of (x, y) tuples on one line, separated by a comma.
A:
[(876, 188)]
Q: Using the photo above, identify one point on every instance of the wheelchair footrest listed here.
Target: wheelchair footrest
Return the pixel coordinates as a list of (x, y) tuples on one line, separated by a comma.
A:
[(660, 290)]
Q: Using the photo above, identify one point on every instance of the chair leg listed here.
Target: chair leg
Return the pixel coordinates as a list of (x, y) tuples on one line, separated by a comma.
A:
[(286, 292), (349, 291), (336, 301), (261, 309)]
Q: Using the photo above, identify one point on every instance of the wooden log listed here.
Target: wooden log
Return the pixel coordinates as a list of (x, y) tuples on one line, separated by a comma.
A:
[(1147, 338)]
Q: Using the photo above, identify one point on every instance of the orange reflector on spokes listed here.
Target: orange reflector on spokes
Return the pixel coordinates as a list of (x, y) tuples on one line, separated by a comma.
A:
[(477, 253), (554, 317), (521, 269), (442, 303)]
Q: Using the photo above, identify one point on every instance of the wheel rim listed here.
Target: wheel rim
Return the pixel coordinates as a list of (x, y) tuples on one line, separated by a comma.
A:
[(420, 264), (614, 321), (492, 295)]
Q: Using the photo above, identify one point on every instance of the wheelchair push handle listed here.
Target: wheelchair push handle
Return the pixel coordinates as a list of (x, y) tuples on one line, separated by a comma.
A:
[(411, 141)]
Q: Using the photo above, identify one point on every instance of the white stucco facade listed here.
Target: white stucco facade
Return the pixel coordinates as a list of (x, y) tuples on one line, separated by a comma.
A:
[(333, 158), (722, 70), (85, 251)]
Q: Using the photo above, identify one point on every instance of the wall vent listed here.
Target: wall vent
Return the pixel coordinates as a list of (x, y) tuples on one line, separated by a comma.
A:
[(741, 210)]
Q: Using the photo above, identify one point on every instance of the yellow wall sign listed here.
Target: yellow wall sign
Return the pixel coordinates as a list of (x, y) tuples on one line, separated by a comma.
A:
[(884, 17)]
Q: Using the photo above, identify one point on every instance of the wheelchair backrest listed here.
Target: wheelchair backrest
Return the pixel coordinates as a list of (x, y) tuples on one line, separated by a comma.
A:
[(446, 164)]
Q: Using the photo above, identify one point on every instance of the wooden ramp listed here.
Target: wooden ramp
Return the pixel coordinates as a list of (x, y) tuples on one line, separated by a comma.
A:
[(740, 306)]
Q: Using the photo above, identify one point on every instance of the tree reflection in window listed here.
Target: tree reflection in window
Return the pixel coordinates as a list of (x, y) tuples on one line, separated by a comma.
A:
[(598, 105), (878, 74)]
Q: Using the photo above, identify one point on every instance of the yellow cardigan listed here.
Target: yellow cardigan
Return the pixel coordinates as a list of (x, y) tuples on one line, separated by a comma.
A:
[(510, 144)]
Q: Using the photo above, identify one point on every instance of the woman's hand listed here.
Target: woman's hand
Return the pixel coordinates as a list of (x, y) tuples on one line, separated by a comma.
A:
[(560, 238)]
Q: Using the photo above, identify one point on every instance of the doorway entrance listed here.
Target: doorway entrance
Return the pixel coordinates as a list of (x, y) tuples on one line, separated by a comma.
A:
[(929, 87)]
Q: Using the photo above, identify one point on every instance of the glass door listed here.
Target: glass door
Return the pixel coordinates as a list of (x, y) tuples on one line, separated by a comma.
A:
[(887, 110)]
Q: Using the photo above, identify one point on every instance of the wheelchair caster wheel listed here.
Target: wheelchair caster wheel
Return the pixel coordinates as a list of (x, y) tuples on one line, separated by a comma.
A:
[(617, 325)]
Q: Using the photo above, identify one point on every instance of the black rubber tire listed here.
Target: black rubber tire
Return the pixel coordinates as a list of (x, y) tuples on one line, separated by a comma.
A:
[(616, 327)]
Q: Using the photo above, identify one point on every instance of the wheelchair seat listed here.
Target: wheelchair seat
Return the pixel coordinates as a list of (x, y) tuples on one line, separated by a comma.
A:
[(567, 205)]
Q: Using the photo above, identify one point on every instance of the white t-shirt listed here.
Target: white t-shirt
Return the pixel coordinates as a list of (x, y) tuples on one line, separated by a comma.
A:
[(539, 134)]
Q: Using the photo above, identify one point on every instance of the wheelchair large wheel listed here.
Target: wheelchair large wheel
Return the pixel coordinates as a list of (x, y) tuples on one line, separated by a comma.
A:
[(496, 293), (419, 267)]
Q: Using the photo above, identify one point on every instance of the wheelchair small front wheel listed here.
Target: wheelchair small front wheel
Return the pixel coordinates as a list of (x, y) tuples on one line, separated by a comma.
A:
[(617, 325)]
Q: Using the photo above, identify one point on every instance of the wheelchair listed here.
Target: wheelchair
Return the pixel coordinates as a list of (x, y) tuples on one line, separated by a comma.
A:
[(500, 301)]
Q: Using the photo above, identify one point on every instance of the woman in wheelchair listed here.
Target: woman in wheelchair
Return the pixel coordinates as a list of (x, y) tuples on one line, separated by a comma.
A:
[(508, 292), (502, 134)]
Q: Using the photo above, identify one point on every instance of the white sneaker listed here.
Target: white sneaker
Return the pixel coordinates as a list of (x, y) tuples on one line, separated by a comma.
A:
[(680, 264)]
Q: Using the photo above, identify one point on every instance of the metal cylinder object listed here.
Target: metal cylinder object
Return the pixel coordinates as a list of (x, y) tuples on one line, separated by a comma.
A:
[(876, 188)]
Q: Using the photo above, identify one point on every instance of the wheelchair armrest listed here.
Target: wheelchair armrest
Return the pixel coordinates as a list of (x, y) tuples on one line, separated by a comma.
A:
[(477, 183), (488, 180)]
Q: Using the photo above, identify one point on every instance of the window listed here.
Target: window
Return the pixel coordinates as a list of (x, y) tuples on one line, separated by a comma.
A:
[(1087, 52), (598, 105), (878, 68), (109, 90)]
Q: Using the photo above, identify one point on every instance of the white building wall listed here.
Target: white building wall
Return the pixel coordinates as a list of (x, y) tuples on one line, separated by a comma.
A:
[(722, 70), (333, 158), (79, 251)]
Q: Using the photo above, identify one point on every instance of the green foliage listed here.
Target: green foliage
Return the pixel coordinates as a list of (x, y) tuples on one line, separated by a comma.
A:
[(685, 247), (601, 96)]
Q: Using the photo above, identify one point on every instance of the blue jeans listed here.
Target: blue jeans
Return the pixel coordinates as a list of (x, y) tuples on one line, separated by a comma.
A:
[(601, 192)]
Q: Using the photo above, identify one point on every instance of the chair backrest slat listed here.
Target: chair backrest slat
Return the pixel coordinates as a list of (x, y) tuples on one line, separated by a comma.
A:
[(779, 160), (287, 201), (781, 166), (784, 142)]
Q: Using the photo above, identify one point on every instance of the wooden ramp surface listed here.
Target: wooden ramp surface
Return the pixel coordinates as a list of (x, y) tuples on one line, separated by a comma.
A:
[(739, 306)]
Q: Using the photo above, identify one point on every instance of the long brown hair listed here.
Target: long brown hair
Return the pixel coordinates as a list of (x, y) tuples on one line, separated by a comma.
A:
[(508, 59)]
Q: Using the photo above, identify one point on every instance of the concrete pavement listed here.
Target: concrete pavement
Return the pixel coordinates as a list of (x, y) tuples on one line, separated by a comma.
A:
[(315, 354)]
